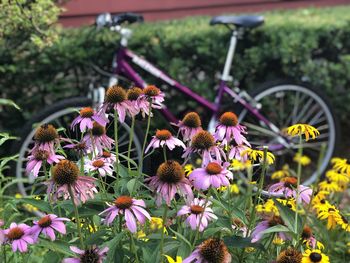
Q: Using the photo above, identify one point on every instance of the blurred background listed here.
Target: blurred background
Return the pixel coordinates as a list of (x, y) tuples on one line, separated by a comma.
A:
[(46, 48)]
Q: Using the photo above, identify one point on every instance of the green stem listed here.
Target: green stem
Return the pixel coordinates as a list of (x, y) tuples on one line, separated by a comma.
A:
[(200, 220), (300, 152), (130, 140), (145, 139), (76, 215), (133, 248), (4, 253), (82, 164), (164, 153), (161, 250), (116, 145), (93, 144)]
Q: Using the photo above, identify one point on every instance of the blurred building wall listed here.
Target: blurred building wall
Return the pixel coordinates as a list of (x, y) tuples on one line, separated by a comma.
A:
[(83, 12)]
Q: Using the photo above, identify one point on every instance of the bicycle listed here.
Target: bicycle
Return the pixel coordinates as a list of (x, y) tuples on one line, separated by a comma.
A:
[(296, 102)]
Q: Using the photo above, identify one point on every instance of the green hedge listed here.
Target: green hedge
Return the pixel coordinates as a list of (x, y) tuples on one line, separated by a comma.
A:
[(311, 44)]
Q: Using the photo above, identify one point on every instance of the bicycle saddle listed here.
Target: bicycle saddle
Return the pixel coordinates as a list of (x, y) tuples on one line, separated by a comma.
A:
[(246, 21), (107, 19)]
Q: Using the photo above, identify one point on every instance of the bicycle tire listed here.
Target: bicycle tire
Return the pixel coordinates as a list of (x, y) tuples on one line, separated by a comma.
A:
[(313, 98), (59, 109)]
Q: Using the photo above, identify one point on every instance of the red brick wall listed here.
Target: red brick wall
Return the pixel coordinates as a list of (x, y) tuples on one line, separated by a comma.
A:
[(82, 12)]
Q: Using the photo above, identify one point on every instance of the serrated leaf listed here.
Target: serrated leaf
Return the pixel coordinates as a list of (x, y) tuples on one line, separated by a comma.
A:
[(113, 246)]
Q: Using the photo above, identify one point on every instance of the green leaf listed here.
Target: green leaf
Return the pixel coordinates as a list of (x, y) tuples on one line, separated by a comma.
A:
[(58, 246), (274, 229), (40, 204), (130, 185), (6, 137), (181, 237), (241, 242), (96, 238), (8, 102), (114, 246), (288, 216)]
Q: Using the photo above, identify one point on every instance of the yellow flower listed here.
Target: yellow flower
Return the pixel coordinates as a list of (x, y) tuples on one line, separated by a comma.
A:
[(313, 256), (171, 260), (188, 169), (156, 223), (28, 207), (328, 186), (237, 165), (343, 223), (331, 214), (341, 165), (281, 173), (268, 207), (258, 155), (302, 159), (233, 189), (303, 129), (290, 203), (339, 178), (278, 241), (142, 235)]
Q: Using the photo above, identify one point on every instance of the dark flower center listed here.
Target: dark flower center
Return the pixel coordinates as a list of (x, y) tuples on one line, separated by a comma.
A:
[(46, 133), (80, 146), (229, 119), (275, 220), (45, 221), (133, 93), (115, 94), (213, 168), (331, 210), (170, 172), (123, 202), (90, 256), (196, 209), (213, 250), (238, 222), (87, 112), (163, 135), (151, 91), (106, 154), (203, 140), (315, 257), (98, 163), (98, 130), (41, 155), (290, 182), (289, 255), (15, 233), (307, 233), (65, 172), (192, 120)]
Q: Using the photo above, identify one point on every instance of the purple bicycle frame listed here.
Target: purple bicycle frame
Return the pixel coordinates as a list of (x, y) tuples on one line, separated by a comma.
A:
[(124, 68)]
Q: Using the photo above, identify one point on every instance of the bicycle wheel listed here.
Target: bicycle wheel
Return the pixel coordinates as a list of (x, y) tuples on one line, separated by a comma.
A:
[(285, 103), (61, 115)]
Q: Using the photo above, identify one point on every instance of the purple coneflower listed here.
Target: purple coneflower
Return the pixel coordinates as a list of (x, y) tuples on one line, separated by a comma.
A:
[(133, 100), (79, 147), (190, 125), (236, 153), (2, 234), (130, 208), (213, 175), (203, 143), (100, 166), (169, 180), (211, 250), (198, 214), (164, 137), (288, 186), (36, 159), (108, 157), (86, 118), (99, 139), (45, 138), (47, 225), (19, 236), (265, 224), (229, 129), (65, 175), (153, 95), (308, 237), (115, 98), (93, 254)]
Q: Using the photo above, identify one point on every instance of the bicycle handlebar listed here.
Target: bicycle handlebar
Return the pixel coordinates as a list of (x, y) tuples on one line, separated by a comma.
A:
[(110, 20)]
